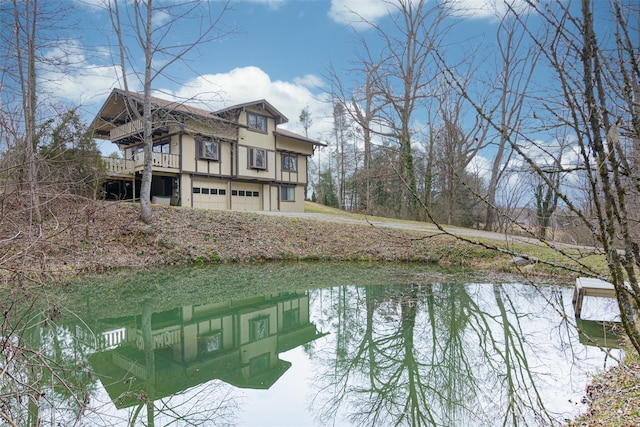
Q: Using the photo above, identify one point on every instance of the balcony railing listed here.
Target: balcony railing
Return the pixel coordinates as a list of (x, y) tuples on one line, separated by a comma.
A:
[(162, 160), (117, 166), (126, 167), (129, 128)]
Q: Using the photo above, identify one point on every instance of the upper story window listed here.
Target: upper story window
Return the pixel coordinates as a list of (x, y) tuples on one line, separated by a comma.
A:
[(163, 147), (209, 150), (289, 162), (258, 328), (257, 122), (257, 158)]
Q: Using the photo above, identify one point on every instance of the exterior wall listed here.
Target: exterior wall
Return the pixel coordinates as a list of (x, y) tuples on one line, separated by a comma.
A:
[(297, 176), (286, 144), (248, 139), (192, 163), (294, 206), (244, 171)]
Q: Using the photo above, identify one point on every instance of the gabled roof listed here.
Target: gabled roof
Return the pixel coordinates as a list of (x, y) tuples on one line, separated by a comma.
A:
[(115, 112), (261, 104)]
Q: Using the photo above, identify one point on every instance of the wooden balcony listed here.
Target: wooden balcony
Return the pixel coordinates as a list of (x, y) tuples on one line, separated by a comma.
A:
[(125, 168), (116, 167), (160, 161), (130, 128)]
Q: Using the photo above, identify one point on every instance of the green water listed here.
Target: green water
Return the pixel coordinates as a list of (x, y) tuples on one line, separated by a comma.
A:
[(299, 345)]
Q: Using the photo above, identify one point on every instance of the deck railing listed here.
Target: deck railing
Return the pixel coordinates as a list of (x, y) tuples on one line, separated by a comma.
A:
[(124, 167), (117, 166), (162, 160), (129, 128)]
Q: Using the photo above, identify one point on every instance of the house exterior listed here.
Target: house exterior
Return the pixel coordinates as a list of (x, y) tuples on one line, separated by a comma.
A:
[(232, 159)]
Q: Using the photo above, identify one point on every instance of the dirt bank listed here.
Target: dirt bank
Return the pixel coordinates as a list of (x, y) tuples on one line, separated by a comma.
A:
[(100, 236)]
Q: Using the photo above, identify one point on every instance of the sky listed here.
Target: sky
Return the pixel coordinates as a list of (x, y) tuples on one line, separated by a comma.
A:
[(278, 50)]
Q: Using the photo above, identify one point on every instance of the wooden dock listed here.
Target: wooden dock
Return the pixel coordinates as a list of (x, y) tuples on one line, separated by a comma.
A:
[(588, 287)]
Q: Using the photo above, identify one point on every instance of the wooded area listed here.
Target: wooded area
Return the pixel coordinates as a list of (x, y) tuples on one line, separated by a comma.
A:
[(544, 144)]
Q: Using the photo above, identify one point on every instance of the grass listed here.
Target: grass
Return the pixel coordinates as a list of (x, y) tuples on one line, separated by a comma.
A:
[(577, 260)]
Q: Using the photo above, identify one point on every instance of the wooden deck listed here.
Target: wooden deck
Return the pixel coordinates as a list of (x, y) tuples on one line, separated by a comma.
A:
[(588, 287)]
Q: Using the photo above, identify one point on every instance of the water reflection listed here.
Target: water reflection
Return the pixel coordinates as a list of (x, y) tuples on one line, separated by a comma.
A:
[(361, 345), (237, 341)]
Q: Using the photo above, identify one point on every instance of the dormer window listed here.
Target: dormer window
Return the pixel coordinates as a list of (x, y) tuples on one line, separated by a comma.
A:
[(257, 122)]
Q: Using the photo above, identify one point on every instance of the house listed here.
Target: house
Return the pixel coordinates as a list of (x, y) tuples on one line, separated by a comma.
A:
[(236, 158)]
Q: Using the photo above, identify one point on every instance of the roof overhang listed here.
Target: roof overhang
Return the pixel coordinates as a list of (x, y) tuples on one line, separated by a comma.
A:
[(292, 135)]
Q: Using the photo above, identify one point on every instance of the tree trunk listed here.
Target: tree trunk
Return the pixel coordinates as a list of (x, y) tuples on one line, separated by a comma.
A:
[(145, 186)]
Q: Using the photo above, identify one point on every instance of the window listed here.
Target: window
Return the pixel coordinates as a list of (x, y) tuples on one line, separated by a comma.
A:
[(258, 328), (234, 192), (288, 193), (257, 158), (222, 192), (256, 194), (163, 147), (291, 318), (205, 190), (257, 122), (209, 150), (241, 193), (214, 191), (210, 343), (196, 190), (289, 162)]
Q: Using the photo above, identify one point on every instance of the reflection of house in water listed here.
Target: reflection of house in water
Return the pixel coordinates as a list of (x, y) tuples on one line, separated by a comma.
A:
[(237, 341)]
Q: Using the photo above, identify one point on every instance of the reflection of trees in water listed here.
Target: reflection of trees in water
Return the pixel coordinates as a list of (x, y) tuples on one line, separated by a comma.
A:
[(45, 377), (426, 355)]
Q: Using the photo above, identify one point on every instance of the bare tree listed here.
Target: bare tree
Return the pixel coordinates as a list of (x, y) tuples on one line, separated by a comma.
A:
[(25, 25), (138, 33), (595, 100), (454, 150), (405, 77), (393, 84), (517, 61)]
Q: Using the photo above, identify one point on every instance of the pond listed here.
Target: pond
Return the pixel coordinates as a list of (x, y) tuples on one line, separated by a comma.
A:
[(301, 345)]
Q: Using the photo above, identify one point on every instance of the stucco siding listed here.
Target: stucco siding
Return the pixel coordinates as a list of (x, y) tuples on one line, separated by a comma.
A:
[(286, 144), (294, 206)]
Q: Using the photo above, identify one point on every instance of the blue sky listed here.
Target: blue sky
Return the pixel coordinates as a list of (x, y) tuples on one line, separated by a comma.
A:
[(281, 52)]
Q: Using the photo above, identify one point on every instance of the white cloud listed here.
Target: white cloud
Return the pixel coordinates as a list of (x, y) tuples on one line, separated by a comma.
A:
[(358, 12), (71, 77), (246, 84), (355, 12), (274, 4), (480, 166), (487, 8)]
